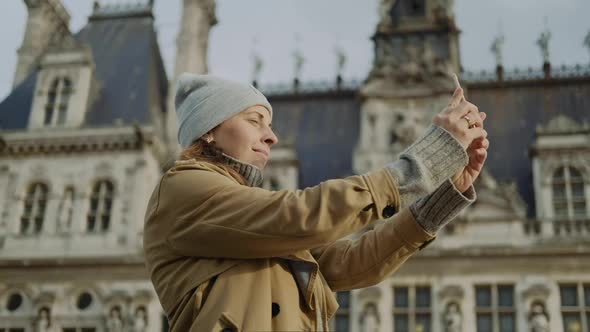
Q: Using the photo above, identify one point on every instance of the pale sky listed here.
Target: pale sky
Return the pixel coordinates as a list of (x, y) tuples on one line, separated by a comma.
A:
[(274, 28)]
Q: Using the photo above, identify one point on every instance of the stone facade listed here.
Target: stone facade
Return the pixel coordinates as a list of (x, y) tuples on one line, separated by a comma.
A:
[(73, 187)]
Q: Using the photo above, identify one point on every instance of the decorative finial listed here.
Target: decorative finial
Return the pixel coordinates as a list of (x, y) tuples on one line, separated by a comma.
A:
[(543, 43), (587, 41), (299, 60), (95, 5), (340, 60), (496, 47), (258, 64)]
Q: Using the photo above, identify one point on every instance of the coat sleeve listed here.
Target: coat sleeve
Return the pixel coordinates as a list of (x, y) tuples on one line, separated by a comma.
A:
[(355, 263), (210, 215)]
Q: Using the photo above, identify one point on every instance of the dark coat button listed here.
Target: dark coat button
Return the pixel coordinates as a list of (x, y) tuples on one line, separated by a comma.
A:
[(276, 308), (389, 211), (228, 329)]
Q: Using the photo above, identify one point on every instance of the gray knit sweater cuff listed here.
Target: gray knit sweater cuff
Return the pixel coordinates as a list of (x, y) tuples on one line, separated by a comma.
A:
[(436, 210), (440, 153), (431, 159)]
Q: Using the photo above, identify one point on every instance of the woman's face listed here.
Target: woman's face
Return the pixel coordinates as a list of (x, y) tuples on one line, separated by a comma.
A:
[(247, 136)]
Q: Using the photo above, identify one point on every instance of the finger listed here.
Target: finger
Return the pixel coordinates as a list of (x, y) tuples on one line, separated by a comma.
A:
[(483, 116), (458, 85), (456, 98), (480, 143), (477, 133), (462, 109)]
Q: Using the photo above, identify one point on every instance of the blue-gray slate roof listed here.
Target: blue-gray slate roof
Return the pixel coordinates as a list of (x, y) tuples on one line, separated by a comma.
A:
[(324, 130), (514, 111), (129, 70)]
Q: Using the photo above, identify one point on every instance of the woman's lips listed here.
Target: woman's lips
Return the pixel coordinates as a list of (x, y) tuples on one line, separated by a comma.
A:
[(263, 152)]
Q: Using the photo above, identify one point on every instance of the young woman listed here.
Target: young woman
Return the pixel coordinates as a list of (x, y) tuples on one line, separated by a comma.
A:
[(226, 255)]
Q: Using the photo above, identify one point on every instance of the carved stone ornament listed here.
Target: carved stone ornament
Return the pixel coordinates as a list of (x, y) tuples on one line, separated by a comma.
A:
[(451, 292)]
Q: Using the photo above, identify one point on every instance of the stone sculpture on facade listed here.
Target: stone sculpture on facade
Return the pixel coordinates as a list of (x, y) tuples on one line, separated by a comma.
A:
[(115, 320), (538, 318), (43, 321), (140, 320), (370, 318), (453, 320)]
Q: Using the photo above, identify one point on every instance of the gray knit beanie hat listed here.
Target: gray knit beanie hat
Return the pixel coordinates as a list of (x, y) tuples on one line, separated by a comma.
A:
[(204, 101)]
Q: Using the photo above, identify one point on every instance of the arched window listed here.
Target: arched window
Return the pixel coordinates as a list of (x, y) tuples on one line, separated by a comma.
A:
[(34, 209), (101, 201), (569, 199), (58, 98), (51, 101), (66, 92), (66, 210)]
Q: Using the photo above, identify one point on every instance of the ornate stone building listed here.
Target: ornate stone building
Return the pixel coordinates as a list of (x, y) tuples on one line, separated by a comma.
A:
[(83, 140), (88, 129)]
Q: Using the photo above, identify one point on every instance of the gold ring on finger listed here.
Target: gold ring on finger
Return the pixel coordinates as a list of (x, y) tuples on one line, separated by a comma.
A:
[(469, 123)]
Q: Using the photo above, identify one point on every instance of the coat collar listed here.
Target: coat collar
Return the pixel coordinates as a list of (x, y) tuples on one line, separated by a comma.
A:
[(251, 173)]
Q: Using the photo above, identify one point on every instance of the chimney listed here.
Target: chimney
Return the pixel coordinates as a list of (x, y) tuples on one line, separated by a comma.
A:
[(47, 23)]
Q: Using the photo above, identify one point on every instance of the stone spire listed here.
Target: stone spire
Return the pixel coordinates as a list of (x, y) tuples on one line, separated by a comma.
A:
[(47, 23), (198, 16)]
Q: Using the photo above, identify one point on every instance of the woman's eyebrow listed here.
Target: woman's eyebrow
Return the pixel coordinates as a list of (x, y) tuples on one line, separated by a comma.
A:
[(261, 117)]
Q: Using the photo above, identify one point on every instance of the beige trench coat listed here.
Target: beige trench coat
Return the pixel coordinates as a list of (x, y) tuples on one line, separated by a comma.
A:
[(228, 257)]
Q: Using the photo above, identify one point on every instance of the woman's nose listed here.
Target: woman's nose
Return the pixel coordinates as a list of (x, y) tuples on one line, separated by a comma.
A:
[(271, 138)]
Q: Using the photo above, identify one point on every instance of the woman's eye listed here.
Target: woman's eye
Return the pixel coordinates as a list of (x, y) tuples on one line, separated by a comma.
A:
[(254, 121)]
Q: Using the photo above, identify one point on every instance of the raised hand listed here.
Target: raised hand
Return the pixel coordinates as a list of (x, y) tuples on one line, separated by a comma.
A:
[(464, 121)]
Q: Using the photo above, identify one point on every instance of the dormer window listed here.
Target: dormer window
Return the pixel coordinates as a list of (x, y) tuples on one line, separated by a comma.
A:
[(58, 98), (569, 199)]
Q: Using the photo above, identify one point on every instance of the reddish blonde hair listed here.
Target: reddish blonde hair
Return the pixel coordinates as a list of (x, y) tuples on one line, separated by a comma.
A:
[(207, 152)]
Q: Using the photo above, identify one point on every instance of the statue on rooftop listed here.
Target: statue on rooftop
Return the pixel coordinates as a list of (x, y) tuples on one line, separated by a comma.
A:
[(587, 41), (341, 60), (496, 49), (543, 43)]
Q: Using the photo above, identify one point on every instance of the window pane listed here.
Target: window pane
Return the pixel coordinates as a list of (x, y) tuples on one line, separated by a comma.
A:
[(559, 174), (575, 175), (48, 115), (560, 210), (572, 322), (91, 222), (483, 296), (587, 296), (558, 191), (569, 296), (88, 329), (69, 329), (506, 296), (343, 299), (400, 323), (423, 323), (341, 323), (484, 323), (105, 220), (507, 323), (580, 209), (400, 296), (423, 297), (578, 189)]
